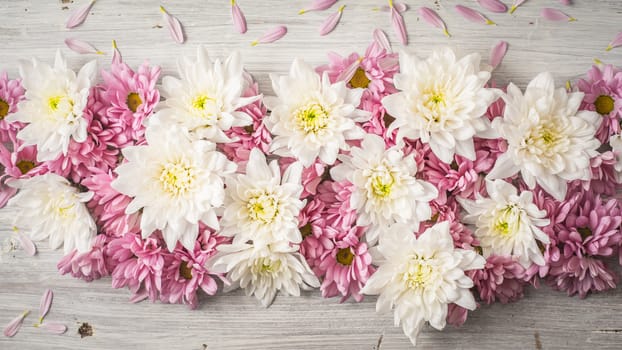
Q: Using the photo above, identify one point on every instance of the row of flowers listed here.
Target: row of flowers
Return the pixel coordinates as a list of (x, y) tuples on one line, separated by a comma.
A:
[(384, 174)]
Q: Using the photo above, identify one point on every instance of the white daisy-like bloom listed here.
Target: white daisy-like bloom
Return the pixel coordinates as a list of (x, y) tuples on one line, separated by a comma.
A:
[(262, 207), (442, 101), (206, 98), (616, 145), (549, 141), (311, 117), (54, 102), (48, 206), (419, 277), (176, 183), (385, 188), (263, 272), (507, 223)]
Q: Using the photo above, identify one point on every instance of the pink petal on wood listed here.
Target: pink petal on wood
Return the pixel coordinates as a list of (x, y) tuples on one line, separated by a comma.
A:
[(81, 47), (239, 21), (564, 2), (555, 15), (617, 41), (497, 53), (27, 244), (516, 4), (78, 16), (398, 26), (174, 26), (45, 304), (270, 36), (380, 37), (116, 54), (472, 15), (331, 21), (54, 327), (13, 327), (318, 5), (493, 5), (399, 6), (433, 18)]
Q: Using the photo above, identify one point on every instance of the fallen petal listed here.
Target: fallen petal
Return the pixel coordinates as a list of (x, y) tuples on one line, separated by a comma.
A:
[(318, 5), (81, 47), (270, 36), (116, 54), (493, 5), (239, 21), (45, 304), (472, 15), (617, 41), (331, 21), (555, 15), (399, 6), (497, 53), (398, 26), (13, 327), (564, 2), (433, 18), (516, 4), (380, 37), (54, 327), (174, 26), (27, 244), (78, 16)]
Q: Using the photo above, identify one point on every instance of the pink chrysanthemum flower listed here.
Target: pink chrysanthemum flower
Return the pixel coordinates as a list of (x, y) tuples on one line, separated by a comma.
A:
[(137, 263), (17, 164), (108, 206), (604, 178), (603, 94), (449, 211), (581, 275), (185, 272), (88, 266), (131, 96), (502, 278), (336, 197), (11, 92)]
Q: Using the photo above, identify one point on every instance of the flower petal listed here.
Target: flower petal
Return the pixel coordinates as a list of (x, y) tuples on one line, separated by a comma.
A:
[(27, 244), (174, 26), (81, 47), (270, 36), (45, 304), (78, 16), (399, 6), (239, 21), (380, 37), (617, 41), (331, 21), (398, 26), (318, 5), (516, 4), (493, 5), (13, 327), (54, 327), (433, 18), (116, 54), (497, 53), (552, 14), (472, 15)]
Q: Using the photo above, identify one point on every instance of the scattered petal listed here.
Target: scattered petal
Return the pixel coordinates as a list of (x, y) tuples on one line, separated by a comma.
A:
[(516, 4), (174, 26), (493, 5), (497, 53), (380, 37), (239, 21), (399, 6), (473, 15), (78, 16), (13, 327), (53, 327), (433, 18), (116, 54), (398, 26), (137, 298), (27, 244), (555, 15), (331, 21), (81, 47), (597, 61), (564, 2), (271, 36), (318, 5), (617, 41), (45, 304), (348, 73)]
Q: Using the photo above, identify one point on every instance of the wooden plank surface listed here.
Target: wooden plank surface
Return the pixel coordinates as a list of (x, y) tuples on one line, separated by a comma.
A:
[(543, 320)]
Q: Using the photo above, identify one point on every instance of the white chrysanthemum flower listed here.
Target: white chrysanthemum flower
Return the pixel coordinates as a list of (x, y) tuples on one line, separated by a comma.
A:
[(48, 206), (442, 102), (385, 188), (419, 277), (262, 207), (311, 117), (205, 101), (507, 223), (264, 271), (54, 102), (175, 181), (549, 142)]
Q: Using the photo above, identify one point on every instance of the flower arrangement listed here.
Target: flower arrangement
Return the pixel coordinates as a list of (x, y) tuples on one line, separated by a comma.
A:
[(414, 179)]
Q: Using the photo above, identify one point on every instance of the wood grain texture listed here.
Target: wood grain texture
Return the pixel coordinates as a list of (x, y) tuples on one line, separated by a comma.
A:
[(543, 320)]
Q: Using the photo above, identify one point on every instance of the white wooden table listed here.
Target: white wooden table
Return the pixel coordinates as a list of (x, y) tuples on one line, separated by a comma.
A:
[(543, 320)]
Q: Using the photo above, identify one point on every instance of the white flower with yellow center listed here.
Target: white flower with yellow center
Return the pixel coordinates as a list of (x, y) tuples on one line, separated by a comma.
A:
[(385, 188), (262, 207), (549, 141), (206, 98), (48, 206), (442, 102), (263, 272), (52, 109), (311, 117), (419, 277), (507, 223), (175, 182)]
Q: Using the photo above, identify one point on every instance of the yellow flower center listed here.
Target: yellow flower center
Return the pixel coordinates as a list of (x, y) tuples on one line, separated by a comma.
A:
[(359, 79), (60, 103), (64, 212), (545, 140), (185, 271), (25, 166), (4, 109), (345, 256), (435, 101), (311, 118), (507, 221), (133, 101), (200, 101), (306, 231), (585, 232), (604, 104), (53, 102), (381, 182), (263, 207), (177, 177), (266, 266), (419, 272)]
